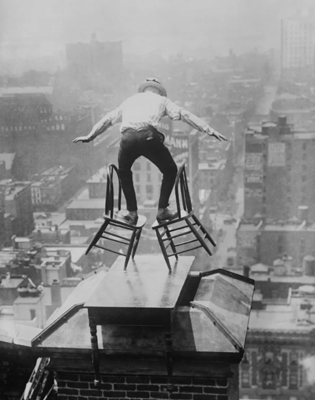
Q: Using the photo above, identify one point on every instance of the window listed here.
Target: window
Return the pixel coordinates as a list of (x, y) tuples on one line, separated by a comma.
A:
[(149, 189), (137, 188), (33, 314), (294, 374), (137, 178), (137, 166), (148, 166), (245, 375), (148, 177)]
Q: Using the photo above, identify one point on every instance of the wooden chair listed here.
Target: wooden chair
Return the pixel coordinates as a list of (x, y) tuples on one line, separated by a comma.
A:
[(186, 224), (110, 230)]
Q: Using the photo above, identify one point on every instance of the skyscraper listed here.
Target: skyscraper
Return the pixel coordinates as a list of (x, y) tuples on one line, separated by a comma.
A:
[(298, 43)]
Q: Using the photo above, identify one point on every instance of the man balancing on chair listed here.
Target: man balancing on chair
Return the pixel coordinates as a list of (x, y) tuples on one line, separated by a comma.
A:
[(139, 116)]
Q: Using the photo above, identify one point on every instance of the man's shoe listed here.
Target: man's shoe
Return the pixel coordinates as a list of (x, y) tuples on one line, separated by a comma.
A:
[(130, 218), (164, 214)]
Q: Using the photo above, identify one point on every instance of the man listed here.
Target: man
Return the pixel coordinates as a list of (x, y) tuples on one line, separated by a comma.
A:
[(139, 116)]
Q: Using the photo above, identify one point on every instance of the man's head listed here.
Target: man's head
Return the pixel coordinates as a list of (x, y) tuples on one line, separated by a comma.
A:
[(152, 85)]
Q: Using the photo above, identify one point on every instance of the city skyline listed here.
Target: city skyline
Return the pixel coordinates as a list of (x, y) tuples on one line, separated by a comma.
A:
[(41, 29)]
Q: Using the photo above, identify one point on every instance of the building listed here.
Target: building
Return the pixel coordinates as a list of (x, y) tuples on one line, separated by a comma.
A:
[(279, 170), (213, 180), (198, 366), (41, 138), (7, 171), (298, 44), (18, 203), (55, 265), (2, 220), (53, 186), (97, 61), (280, 339), (265, 242)]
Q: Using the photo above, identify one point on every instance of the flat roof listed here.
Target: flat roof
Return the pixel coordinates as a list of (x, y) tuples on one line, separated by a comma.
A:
[(27, 300), (11, 283), (88, 204), (8, 159), (76, 251), (277, 227)]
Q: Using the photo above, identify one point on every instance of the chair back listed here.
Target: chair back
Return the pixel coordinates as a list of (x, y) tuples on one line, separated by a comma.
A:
[(112, 170), (182, 196)]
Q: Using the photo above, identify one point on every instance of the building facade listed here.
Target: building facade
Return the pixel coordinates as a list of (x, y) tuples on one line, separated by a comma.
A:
[(18, 203), (279, 170), (298, 43), (280, 342), (266, 242)]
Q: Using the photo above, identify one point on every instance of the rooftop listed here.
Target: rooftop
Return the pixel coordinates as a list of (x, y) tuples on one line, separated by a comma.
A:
[(284, 317), (11, 189), (277, 226), (11, 283), (99, 176), (87, 204), (8, 159)]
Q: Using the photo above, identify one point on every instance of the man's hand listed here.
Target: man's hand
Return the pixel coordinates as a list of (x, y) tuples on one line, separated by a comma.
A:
[(83, 139), (217, 135)]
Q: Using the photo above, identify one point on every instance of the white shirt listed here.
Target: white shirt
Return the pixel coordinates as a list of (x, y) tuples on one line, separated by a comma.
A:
[(146, 109)]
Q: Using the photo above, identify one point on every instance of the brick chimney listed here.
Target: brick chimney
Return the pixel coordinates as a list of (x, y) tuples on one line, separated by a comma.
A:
[(55, 294), (152, 334)]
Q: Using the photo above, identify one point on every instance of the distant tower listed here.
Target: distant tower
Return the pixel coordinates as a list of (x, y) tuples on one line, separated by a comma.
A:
[(298, 44)]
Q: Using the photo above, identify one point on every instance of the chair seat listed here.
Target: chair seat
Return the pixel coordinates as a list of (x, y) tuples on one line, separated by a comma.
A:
[(183, 215), (140, 223)]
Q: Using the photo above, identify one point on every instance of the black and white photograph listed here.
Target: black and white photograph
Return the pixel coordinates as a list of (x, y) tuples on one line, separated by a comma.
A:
[(157, 199)]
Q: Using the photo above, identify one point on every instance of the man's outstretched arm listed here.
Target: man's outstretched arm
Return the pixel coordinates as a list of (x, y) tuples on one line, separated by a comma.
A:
[(110, 119), (177, 113)]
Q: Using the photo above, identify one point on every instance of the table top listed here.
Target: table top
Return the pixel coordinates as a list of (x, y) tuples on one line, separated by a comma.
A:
[(145, 284)]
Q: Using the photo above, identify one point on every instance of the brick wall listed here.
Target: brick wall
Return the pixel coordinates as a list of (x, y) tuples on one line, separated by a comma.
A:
[(81, 387)]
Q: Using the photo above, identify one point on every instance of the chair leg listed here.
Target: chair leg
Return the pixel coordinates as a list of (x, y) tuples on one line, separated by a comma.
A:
[(163, 249), (202, 242), (204, 230), (130, 247), (168, 234), (97, 236), (136, 243)]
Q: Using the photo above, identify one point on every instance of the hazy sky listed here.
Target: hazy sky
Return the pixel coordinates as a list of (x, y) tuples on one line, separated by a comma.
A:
[(167, 26)]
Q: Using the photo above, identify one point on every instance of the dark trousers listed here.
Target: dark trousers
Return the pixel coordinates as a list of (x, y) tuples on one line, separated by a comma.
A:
[(148, 143)]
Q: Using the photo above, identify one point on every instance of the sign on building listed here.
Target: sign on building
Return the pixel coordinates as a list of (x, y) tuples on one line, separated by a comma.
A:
[(177, 143)]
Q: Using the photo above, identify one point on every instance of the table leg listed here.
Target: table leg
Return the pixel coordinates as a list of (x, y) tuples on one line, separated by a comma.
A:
[(95, 354)]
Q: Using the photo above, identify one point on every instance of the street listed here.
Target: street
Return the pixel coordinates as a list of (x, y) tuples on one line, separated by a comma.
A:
[(226, 250)]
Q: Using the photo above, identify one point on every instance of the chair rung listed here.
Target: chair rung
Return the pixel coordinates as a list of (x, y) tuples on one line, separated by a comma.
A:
[(112, 251), (177, 229), (179, 234), (117, 236), (114, 240), (187, 242)]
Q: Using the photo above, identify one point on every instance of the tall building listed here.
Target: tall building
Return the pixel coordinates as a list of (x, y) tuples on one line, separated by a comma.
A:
[(298, 42), (18, 203), (97, 61), (279, 171)]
